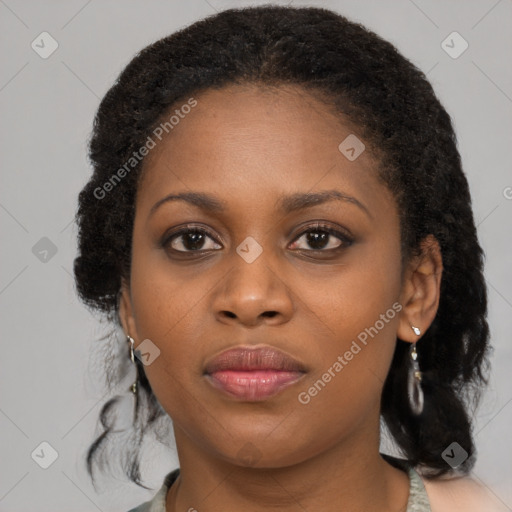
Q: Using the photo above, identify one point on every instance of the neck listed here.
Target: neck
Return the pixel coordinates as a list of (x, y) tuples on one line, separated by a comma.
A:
[(350, 475)]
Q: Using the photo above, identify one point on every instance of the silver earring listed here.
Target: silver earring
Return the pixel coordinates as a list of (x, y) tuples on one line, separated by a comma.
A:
[(414, 389), (133, 387)]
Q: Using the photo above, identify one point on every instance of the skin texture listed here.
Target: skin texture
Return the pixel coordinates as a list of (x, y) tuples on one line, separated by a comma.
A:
[(250, 146)]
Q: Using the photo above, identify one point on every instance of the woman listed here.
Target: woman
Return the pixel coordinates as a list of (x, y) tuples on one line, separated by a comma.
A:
[(279, 222)]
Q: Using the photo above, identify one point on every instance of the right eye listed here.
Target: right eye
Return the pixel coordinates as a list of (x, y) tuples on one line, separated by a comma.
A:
[(190, 239)]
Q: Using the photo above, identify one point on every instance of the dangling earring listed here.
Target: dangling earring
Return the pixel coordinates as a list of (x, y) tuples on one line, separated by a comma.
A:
[(414, 379), (133, 387)]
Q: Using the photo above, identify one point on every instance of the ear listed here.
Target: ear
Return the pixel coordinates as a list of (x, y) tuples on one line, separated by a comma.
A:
[(126, 315), (421, 290)]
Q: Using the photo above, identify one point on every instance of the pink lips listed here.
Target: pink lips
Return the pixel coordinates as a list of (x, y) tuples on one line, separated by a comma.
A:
[(253, 374)]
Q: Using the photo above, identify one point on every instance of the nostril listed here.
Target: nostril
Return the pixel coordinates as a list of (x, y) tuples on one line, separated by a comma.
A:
[(270, 314)]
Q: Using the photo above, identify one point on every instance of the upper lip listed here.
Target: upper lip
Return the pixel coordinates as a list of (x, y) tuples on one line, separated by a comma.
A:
[(245, 358)]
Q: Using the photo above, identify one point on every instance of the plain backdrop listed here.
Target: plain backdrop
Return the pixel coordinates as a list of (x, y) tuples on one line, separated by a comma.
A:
[(50, 392)]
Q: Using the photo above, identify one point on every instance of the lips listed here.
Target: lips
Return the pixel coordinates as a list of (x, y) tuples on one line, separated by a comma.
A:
[(253, 374), (248, 359)]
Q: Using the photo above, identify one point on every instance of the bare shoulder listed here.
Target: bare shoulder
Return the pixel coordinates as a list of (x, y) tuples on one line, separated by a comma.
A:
[(463, 494)]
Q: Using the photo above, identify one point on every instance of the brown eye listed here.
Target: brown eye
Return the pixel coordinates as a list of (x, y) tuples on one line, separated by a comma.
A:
[(191, 240), (321, 238)]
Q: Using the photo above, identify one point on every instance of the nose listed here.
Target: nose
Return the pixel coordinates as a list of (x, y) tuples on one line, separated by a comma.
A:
[(253, 293)]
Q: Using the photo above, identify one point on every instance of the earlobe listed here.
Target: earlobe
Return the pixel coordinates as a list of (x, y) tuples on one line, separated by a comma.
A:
[(421, 290)]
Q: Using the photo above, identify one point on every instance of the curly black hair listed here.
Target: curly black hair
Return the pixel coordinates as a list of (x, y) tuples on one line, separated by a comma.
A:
[(397, 114)]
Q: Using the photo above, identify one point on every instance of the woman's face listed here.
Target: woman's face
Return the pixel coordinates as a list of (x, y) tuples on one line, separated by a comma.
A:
[(265, 275)]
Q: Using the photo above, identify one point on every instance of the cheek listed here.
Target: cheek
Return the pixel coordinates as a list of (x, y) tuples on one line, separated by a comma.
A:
[(165, 314), (360, 307), (351, 368), (166, 307), (161, 298), (355, 295)]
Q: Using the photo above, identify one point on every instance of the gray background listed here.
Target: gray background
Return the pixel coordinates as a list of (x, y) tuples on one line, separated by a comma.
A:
[(50, 391)]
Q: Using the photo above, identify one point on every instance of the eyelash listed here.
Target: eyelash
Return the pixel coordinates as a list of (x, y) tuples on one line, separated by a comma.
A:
[(344, 238)]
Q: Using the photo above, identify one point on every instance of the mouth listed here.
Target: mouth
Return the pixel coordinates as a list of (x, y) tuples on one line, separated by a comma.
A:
[(253, 374)]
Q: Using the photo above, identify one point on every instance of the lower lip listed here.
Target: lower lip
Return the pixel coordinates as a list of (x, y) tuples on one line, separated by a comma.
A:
[(255, 385)]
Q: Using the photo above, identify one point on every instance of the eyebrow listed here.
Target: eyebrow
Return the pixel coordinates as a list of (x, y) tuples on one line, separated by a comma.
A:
[(286, 204)]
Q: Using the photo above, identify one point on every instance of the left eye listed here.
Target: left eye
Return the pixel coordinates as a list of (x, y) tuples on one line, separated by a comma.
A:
[(321, 239)]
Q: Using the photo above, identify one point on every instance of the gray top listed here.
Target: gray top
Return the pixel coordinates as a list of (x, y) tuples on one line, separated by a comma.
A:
[(417, 502)]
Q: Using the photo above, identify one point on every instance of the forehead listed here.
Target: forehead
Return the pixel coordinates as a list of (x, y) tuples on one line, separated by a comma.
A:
[(258, 142)]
